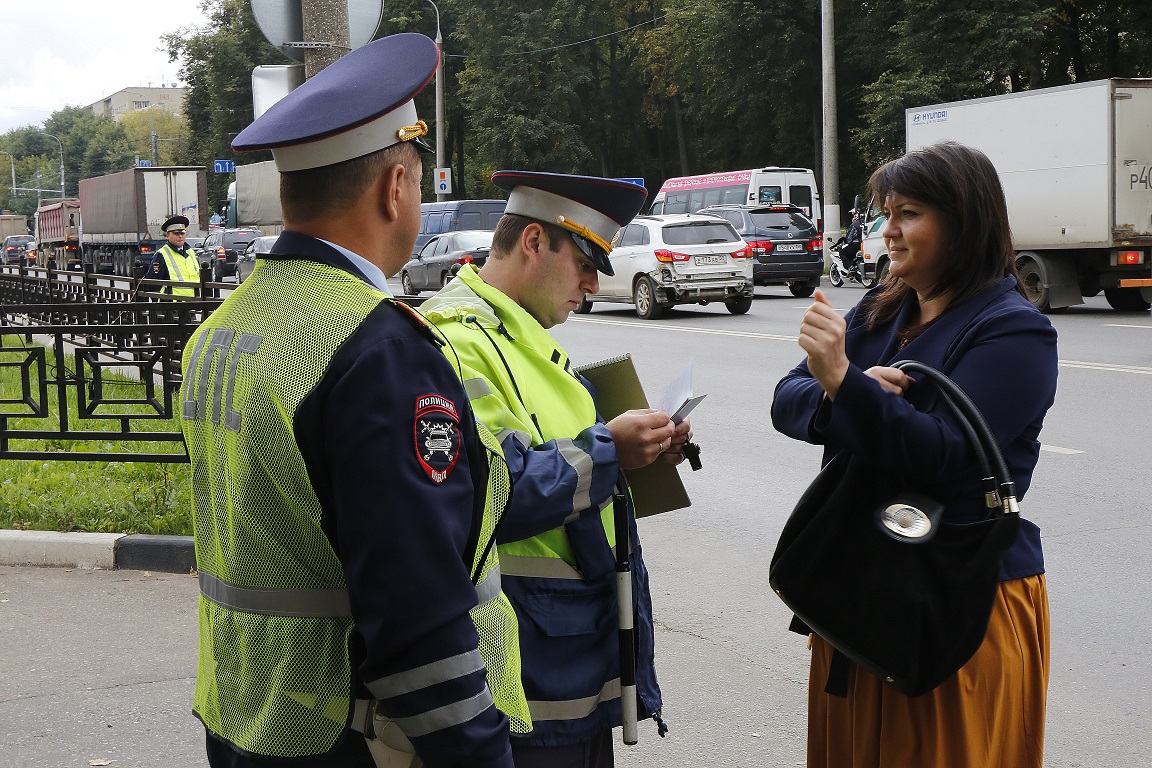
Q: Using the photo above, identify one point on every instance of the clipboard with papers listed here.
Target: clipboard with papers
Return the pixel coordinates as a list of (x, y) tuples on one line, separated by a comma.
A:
[(657, 487)]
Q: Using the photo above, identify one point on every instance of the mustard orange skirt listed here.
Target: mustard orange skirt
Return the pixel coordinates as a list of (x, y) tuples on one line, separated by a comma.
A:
[(990, 713)]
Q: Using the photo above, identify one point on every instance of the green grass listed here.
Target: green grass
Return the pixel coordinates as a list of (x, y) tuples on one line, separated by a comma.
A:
[(108, 497)]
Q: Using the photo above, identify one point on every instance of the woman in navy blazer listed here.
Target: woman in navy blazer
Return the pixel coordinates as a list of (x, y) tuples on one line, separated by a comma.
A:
[(951, 301)]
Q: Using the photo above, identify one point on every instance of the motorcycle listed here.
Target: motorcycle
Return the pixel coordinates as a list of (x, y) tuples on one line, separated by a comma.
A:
[(847, 261)]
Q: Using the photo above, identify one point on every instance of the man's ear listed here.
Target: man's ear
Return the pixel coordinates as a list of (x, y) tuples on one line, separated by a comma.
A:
[(533, 241), (390, 191)]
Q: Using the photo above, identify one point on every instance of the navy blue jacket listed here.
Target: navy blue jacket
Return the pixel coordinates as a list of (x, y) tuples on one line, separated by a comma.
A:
[(402, 539), (996, 347)]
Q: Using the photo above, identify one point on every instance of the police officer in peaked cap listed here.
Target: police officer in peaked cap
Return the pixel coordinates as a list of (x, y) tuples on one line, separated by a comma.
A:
[(174, 260), (557, 541), (350, 610)]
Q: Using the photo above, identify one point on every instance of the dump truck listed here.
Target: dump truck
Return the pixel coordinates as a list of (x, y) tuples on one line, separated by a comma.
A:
[(58, 234), (1076, 165), (123, 213)]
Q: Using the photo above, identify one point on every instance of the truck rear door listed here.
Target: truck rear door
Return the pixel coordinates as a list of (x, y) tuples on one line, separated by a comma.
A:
[(1133, 136)]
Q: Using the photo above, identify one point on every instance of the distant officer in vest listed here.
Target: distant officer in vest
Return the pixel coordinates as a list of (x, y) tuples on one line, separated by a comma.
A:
[(175, 260), (345, 497), (556, 543)]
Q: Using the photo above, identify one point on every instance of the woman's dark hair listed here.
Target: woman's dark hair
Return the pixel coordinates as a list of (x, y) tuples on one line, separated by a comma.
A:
[(961, 183)]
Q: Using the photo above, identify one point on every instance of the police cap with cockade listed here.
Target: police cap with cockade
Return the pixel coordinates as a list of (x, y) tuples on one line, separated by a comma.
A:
[(359, 104), (591, 208), (174, 224)]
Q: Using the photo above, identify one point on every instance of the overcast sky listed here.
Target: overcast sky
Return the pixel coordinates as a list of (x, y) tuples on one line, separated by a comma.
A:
[(75, 52)]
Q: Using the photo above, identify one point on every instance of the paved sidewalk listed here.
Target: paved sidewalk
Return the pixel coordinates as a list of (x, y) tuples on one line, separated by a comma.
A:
[(98, 665)]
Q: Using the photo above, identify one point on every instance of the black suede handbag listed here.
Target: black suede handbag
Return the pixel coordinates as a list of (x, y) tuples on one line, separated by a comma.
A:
[(870, 565)]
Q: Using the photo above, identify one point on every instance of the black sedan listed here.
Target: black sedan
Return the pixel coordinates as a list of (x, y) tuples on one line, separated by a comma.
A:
[(785, 244), (441, 258)]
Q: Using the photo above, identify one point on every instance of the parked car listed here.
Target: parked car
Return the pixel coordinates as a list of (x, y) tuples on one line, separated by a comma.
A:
[(662, 261), (221, 248), (786, 244), (195, 243), (15, 247), (441, 258), (456, 216), (247, 260)]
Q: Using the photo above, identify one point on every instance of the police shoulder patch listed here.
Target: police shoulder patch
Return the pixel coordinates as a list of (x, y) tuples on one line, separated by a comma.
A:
[(436, 436)]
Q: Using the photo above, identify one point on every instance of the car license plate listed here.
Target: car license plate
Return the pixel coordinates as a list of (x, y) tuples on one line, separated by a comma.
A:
[(790, 247), (715, 258)]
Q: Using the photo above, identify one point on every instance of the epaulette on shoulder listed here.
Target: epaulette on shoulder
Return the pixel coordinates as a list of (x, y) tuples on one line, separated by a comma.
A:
[(426, 328)]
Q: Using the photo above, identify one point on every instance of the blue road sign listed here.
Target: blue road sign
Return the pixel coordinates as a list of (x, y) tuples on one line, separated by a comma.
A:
[(637, 182), (225, 166), (145, 163)]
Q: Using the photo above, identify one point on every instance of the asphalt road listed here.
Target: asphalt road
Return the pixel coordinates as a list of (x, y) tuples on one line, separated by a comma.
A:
[(100, 665)]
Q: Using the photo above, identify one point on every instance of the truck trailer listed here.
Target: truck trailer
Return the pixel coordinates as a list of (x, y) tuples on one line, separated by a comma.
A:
[(1076, 165), (123, 213), (256, 202), (13, 224), (58, 234)]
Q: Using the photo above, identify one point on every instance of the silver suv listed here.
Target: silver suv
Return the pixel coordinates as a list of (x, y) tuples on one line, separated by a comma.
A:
[(661, 261)]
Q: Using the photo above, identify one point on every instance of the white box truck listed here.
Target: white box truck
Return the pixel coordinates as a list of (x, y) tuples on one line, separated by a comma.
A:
[(121, 214), (257, 198), (1076, 165)]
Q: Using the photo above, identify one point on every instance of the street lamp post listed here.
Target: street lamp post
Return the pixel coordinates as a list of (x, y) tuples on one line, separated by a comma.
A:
[(12, 160), (439, 99), (62, 195)]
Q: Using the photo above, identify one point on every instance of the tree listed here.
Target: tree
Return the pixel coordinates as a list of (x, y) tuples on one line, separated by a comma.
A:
[(218, 62), (171, 134)]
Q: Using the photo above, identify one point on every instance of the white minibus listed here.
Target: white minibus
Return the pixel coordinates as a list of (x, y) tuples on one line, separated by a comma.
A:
[(756, 186)]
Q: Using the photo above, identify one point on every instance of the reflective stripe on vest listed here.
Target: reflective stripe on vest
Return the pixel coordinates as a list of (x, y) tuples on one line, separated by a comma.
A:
[(574, 709), (306, 602), (476, 387), (538, 567), (326, 603), (489, 587)]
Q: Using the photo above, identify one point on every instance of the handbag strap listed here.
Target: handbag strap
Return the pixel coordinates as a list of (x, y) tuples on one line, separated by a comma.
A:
[(1000, 490)]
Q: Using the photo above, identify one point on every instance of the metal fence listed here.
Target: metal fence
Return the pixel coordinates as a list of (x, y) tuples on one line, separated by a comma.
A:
[(98, 358)]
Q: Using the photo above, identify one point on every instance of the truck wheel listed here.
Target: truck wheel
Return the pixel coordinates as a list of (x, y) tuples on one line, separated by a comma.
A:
[(741, 305), (1034, 282), (835, 276), (1126, 299), (644, 297)]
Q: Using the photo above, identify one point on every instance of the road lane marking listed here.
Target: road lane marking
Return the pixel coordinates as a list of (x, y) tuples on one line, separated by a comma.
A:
[(1058, 449), (1106, 367), (688, 329), (1122, 325), (1116, 368)]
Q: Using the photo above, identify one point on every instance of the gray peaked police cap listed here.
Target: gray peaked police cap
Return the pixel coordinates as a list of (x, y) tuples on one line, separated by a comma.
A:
[(591, 208), (359, 104)]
